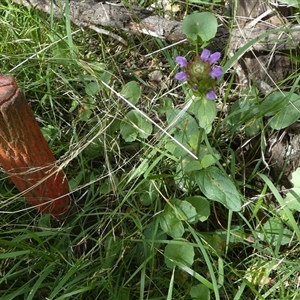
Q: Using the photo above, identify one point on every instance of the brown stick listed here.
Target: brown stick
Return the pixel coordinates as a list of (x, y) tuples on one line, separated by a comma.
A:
[(26, 156)]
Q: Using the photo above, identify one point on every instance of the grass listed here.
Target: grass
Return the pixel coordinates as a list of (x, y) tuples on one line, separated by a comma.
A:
[(114, 247)]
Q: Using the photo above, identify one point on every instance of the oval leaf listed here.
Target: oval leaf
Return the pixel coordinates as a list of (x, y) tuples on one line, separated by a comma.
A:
[(182, 252), (274, 103), (185, 211), (131, 91), (200, 292), (205, 112), (170, 224), (135, 126), (288, 115), (201, 205), (216, 186), (201, 25)]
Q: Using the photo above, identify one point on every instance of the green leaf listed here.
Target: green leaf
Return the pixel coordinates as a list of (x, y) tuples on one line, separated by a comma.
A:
[(185, 211), (124, 293), (288, 115), (294, 3), (45, 221), (274, 103), (139, 170), (186, 129), (275, 233), (201, 25), (216, 186), (147, 192), (112, 246), (183, 180), (14, 254), (201, 205), (253, 127), (49, 132), (165, 104), (189, 164), (132, 92), (170, 224), (135, 126), (92, 88), (292, 199), (245, 109), (296, 178), (151, 241), (182, 252), (200, 292), (174, 213), (205, 112), (184, 122), (208, 160)]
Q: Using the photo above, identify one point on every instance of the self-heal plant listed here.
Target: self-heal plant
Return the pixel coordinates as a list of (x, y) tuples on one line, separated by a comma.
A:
[(201, 74), (201, 177)]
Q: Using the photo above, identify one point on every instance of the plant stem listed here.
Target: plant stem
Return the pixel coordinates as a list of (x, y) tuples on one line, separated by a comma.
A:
[(201, 131)]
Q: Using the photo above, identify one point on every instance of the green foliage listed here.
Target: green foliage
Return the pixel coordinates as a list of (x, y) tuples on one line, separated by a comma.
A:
[(179, 205), (179, 251), (170, 221), (180, 212), (199, 27), (135, 126), (201, 205), (293, 196), (186, 131), (294, 3), (289, 112), (281, 109), (131, 91), (216, 186), (205, 112), (200, 292), (274, 232)]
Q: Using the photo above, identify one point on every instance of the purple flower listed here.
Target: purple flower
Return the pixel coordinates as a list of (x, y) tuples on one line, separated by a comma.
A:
[(211, 95), (182, 76), (201, 73), (182, 62), (213, 58), (205, 55), (215, 72)]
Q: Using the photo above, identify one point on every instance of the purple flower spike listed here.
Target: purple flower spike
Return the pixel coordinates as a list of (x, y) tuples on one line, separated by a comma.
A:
[(216, 72), (211, 95), (214, 58), (182, 76), (181, 61), (205, 55)]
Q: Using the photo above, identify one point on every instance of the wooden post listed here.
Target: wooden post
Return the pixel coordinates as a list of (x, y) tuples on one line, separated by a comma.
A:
[(26, 156)]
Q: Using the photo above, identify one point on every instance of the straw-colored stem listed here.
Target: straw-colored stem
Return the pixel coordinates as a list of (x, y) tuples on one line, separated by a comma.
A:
[(26, 156)]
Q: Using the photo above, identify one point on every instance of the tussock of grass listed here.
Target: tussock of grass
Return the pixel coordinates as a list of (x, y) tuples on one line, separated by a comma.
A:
[(114, 247)]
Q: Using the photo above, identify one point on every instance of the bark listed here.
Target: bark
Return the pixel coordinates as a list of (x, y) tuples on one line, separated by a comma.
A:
[(26, 156), (270, 64)]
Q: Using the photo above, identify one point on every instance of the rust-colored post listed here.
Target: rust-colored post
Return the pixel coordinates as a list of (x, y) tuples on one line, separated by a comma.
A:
[(26, 156)]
